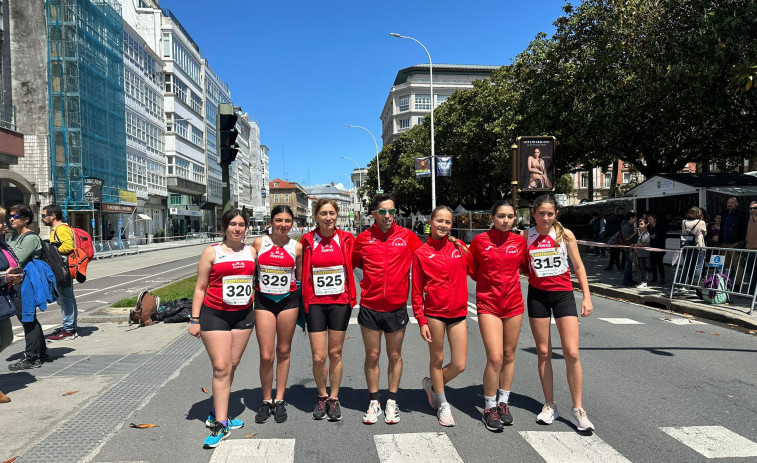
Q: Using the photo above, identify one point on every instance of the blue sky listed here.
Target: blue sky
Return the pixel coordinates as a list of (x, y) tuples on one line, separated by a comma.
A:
[(303, 69)]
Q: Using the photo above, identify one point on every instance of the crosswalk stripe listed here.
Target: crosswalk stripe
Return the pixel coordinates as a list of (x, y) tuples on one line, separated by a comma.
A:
[(682, 321), (621, 321), (569, 447), (429, 447), (278, 450), (713, 441)]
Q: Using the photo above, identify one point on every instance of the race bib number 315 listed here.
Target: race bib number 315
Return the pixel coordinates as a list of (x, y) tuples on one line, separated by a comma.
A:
[(274, 280), (237, 289), (548, 262), (328, 280)]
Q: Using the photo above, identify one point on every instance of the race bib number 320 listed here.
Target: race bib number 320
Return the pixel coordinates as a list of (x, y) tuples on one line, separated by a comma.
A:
[(274, 280), (237, 289), (328, 280), (548, 262)]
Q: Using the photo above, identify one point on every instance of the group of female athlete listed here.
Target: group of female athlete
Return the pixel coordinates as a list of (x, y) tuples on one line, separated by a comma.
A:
[(224, 310)]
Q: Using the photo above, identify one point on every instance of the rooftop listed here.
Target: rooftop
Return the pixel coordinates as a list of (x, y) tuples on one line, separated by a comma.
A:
[(484, 70)]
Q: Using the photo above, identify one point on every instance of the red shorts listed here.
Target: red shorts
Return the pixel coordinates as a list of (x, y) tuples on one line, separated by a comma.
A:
[(502, 312)]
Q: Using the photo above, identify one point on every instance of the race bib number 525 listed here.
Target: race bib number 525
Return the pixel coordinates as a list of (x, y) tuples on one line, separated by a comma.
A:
[(328, 280), (237, 289), (548, 262)]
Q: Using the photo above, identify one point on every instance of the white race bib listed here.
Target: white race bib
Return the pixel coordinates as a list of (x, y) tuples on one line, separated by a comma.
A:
[(328, 280), (237, 289), (273, 280), (548, 262)]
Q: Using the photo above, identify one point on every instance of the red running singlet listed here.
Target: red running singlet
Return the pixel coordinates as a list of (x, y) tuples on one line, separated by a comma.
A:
[(548, 265), (230, 282), (275, 269)]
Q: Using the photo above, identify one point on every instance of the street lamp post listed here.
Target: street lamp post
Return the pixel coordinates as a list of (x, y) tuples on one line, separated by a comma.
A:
[(378, 166), (433, 105)]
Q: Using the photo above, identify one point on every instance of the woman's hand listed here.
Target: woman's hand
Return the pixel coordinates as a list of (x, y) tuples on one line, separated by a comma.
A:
[(14, 277), (586, 307), (194, 329), (426, 333)]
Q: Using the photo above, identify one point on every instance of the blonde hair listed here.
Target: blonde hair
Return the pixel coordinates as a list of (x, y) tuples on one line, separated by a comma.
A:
[(559, 229), (2, 213)]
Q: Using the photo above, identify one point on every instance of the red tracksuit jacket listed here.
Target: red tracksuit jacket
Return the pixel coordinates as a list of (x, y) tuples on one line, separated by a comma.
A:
[(385, 260), (440, 280), (494, 261), (346, 242)]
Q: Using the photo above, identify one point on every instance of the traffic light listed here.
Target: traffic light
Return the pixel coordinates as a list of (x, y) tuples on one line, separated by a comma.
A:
[(227, 133)]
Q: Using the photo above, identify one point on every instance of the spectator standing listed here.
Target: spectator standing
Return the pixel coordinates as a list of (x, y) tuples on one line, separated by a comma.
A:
[(6, 277), (598, 225), (751, 243), (62, 236), (693, 225), (735, 223), (628, 232), (657, 236), (643, 254), (614, 224), (713, 234)]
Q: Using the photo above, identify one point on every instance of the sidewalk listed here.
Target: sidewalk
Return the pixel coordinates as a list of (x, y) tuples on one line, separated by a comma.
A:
[(610, 284)]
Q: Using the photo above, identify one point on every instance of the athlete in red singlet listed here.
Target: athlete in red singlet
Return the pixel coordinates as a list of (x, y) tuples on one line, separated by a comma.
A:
[(550, 293), (279, 267), (222, 315)]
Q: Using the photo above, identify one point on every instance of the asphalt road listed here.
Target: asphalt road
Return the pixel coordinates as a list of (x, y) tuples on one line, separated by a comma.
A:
[(658, 388)]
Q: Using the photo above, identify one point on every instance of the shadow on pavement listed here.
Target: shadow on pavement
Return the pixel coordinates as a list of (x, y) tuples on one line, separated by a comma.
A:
[(16, 381)]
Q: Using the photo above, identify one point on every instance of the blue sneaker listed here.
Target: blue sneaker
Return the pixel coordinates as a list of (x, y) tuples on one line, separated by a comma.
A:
[(218, 434), (234, 423)]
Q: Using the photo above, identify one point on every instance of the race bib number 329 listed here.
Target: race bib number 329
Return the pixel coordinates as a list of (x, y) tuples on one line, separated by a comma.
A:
[(328, 280), (274, 280), (237, 289), (548, 262)]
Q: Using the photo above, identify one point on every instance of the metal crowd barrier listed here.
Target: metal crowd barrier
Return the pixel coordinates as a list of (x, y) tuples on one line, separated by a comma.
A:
[(699, 267)]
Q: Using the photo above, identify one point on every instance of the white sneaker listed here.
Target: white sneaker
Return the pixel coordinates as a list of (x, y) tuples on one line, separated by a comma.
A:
[(432, 398), (580, 420), (641, 285), (548, 414), (445, 415), (392, 415), (374, 411)]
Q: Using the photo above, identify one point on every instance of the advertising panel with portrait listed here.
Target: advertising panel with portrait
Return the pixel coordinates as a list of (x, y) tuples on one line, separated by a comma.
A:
[(536, 163)]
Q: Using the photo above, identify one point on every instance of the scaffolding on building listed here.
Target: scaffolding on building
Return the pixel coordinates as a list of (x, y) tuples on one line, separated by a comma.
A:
[(86, 99)]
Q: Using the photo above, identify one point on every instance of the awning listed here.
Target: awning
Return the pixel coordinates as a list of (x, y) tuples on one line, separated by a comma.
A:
[(144, 216)]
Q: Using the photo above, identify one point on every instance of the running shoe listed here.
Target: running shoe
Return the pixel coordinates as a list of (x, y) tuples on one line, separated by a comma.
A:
[(548, 414), (641, 285), (580, 420), (444, 414), (392, 412), (333, 410), (63, 335), (25, 364), (219, 433), (491, 419), (374, 411), (233, 422), (264, 413), (319, 412), (504, 413), (280, 411), (432, 399)]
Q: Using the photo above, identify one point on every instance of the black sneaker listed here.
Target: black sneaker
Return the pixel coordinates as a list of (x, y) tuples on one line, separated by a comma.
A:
[(504, 414), (264, 413), (320, 408), (491, 419), (333, 410), (25, 364), (280, 411)]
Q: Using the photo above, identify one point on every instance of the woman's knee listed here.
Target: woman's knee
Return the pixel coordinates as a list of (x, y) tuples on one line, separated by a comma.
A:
[(458, 365), (571, 355), (335, 355), (543, 353), (222, 370), (508, 355), (282, 353), (372, 357)]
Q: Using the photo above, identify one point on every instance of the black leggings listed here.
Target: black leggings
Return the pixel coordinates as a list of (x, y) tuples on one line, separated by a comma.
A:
[(655, 260), (33, 335)]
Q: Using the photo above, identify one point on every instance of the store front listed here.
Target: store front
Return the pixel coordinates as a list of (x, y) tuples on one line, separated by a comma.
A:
[(184, 221)]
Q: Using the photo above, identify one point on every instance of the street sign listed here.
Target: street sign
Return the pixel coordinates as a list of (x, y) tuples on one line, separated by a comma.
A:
[(716, 261)]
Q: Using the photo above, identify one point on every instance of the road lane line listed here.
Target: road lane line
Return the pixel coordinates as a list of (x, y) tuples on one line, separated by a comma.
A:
[(429, 447), (621, 321), (569, 447), (138, 279), (713, 441), (233, 450)]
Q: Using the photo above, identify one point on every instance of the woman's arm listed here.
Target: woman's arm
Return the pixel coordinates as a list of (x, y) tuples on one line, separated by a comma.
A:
[(298, 262), (578, 267), (203, 277)]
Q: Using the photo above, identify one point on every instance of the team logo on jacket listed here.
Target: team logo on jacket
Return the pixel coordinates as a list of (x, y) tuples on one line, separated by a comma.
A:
[(456, 254), (237, 265), (489, 247), (511, 250), (399, 242)]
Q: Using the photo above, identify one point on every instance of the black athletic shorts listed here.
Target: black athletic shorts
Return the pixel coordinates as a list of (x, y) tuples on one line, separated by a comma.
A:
[(334, 317), (448, 320), (226, 320), (292, 301), (388, 322), (543, 304)]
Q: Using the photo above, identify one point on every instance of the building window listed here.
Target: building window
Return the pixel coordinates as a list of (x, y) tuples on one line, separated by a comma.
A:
[(420, 120), (180, 127), (196, 103), (404, 103), (180, 89), (584, 179), (404, 123), (166, 45), (197, 136), (626, 177), (423, 102), (441, 99), (607, 179), (275, 198)]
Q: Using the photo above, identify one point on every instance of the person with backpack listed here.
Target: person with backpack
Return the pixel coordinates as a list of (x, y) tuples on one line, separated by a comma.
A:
[(9, 276), (27, 245), (62, 236)]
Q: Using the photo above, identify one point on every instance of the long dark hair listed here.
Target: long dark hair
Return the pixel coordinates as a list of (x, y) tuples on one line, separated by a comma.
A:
[(228, 216), (559, 229)]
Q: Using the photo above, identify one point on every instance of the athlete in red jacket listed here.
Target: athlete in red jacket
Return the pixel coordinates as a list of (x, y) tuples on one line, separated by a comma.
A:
[(494, 261), (440, 303), (384, 252)]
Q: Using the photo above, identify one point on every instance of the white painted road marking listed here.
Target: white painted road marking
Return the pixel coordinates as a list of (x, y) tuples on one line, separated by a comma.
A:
[(277, 450), (18, 334), (472, 309), (432, 447), (621, 321), (713, 441), (569, 447), (682, 321)]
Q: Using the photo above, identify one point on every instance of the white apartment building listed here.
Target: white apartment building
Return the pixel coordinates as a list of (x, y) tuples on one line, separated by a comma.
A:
[(362, 216), (409, 100), (215, 91), (265, 192), (343, 199)]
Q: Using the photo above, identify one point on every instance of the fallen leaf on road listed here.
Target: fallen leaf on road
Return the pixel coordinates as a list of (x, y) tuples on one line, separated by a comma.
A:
[(666, 318), (11, 460), (348, 337), (205, 390), (751, 331), (118, 323), (139, 352), (732, 324), (714, 334), (250, 436), (142, 426), (687, 315), (70, 393), (730, 397), (700, 331)]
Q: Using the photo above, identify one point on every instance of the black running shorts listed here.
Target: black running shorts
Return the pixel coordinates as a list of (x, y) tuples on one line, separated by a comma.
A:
[(388, 322), (543, 304), (334, 317), (292, 301), (448, 320), (226, 320)]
